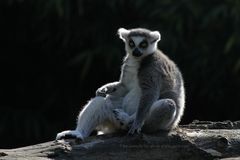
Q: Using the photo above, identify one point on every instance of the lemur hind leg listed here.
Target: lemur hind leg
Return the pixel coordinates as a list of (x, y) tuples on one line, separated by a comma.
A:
[(161, 116), (96, 112)]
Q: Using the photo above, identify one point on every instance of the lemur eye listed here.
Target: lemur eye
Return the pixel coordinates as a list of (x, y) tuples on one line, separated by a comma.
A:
[(131, 43), (143, 44)]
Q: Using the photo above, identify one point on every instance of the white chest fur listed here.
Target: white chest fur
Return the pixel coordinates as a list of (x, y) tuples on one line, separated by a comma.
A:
[(130, 72), (130, 79)]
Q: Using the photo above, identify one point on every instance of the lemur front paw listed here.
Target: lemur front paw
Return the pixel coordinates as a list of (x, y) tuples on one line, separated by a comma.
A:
[(103, 91), (135, 128), (69, 135), (122, 118)]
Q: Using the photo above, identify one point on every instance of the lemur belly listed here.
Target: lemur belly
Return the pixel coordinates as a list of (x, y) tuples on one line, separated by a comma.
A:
[(130, 80)]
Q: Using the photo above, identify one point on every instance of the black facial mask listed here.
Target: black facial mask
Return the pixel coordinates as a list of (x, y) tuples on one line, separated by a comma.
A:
[(136, 52)]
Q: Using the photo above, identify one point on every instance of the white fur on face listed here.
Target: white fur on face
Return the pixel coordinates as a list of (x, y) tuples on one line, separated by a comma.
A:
[(137, 40)]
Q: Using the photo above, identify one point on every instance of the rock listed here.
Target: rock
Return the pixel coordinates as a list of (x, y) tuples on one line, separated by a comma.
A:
[(198, 140)]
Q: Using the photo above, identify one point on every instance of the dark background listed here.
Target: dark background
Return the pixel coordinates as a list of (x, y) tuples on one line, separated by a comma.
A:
[(56, 53)]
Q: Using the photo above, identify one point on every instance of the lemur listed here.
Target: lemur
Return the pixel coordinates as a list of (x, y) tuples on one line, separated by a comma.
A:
[(148, 97)]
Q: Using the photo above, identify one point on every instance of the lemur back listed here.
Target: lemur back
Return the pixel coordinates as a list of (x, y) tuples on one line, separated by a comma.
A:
[(169, 76)]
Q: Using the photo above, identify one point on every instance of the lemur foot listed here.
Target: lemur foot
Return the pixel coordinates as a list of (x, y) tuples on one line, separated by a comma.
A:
[(69, 135), (135, 128), (122, 118)]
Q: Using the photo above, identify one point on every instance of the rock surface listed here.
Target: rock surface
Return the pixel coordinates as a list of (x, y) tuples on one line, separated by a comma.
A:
[(198, 140)]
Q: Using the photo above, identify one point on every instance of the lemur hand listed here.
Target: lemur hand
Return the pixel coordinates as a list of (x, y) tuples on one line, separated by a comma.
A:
[(135, 128), (104, 90)]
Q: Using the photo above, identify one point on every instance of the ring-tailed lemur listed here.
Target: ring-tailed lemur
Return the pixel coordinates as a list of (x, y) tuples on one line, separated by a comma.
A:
[(148, 97)]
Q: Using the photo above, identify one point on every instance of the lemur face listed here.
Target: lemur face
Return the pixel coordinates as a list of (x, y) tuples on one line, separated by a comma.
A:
[(137, 45), (139, 42)]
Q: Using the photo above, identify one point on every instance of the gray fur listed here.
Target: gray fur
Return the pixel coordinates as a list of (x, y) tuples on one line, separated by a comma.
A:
[(159, 78), (149, 95), (139, 32)]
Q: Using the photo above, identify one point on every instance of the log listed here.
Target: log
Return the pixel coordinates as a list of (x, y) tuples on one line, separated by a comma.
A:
[(197, 140)]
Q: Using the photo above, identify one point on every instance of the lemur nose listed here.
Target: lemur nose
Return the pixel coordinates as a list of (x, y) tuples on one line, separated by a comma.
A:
[(136, 52)]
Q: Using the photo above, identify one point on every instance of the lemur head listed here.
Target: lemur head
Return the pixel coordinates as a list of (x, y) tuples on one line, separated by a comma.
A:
[(139, 42)]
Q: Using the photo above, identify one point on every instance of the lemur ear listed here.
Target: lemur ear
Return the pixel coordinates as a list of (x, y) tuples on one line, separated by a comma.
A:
[(122, 32), (156, 36)]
